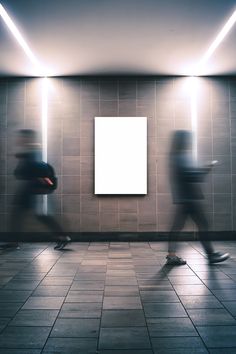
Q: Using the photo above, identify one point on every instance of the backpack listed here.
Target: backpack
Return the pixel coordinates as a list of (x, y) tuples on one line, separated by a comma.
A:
[(45, 180)]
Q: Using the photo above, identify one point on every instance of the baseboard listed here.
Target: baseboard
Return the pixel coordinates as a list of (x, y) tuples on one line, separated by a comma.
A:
[(117, 236)]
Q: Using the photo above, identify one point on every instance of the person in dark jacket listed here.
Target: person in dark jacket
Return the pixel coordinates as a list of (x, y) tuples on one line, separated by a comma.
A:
[(26, 199), (186, 186)]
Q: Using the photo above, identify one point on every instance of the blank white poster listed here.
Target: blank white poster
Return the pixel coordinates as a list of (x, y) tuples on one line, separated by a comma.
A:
[(120, 155)]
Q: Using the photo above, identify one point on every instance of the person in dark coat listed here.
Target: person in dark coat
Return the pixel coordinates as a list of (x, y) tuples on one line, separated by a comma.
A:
[(25, 198), (186, 185)]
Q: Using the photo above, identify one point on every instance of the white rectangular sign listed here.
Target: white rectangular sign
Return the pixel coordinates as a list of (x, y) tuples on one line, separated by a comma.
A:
[(120, 155)]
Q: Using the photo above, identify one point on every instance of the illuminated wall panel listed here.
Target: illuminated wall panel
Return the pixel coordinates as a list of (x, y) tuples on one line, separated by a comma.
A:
[(120, 155)]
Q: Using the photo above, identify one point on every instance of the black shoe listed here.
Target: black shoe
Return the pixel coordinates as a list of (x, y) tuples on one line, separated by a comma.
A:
[(62, 243), (10, 245), (175, 260), (218, 257)]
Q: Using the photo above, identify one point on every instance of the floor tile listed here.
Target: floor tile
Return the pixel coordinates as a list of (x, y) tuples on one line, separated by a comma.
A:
[(191, 290), (84, 296), (55, 291), (125, 351), (220, 284), (120, 303), (124, 338), (218, 336), (123, 318), (168, 310), (70, 346), (14, 295), (164, 327), (43, 303), (197, 350), (81, 310), (9, 309), (75, 328), (185, 280), (225, 295), (21, 285), (122, 290), (205, 317), (24, 337), (230, 306), (54, 281), (20, 351), (223, 351), (87, 285), (200, 302), (34, 318), (121, 281), (187, 343), (3, 323), (159, 296)]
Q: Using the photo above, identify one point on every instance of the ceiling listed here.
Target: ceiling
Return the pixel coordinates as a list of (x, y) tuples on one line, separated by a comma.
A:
[(117, 37)]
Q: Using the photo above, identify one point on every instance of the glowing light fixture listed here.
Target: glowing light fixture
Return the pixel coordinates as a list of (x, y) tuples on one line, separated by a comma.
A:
[(197, 72), (193, 102), (44, 116), (215, 44), (21, 41), (39, 72)]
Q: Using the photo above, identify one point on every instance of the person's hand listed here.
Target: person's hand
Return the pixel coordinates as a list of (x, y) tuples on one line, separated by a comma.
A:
[(212, 163)]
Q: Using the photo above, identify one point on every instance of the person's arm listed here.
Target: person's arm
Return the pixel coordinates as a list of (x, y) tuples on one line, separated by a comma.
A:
[(194, 173)]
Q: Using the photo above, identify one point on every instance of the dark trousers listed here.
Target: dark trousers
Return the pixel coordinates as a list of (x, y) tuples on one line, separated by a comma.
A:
[(24, 202), (195, 210)]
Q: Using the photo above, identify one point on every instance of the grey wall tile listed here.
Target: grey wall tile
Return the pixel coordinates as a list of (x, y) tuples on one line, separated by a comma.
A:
[(109, 222), (71, 203), (70, 185), (127, 89), (108, 89), (109, 108), (89, 222), (75, 102), (89, 204), (71, 146), (128, 222), (108, 205), (222, 203), (71, 165), (90, 89)]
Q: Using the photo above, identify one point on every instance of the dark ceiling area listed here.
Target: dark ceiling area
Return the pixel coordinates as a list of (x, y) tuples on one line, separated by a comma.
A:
[(110, 37)]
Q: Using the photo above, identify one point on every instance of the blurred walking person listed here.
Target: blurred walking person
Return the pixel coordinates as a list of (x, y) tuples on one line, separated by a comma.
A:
[(35, 177), (186, 185)]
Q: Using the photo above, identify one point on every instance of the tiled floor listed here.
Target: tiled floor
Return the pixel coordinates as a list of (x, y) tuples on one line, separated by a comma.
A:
[(116, 298)]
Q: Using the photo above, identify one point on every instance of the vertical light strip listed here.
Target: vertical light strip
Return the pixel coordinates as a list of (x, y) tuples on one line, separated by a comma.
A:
[(44, 118), (194, 116), (44, 132), (44, 88)]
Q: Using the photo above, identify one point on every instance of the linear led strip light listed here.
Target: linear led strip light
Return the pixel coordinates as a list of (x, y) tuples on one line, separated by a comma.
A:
[(215, 44), (197, 72), (39, 72)]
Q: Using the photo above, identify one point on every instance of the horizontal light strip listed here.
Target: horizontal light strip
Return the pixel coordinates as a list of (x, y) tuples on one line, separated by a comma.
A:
[(18, 36)]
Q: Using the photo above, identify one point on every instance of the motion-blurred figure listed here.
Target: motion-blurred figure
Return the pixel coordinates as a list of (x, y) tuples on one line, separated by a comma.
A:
[(26, 198), (186, 179)]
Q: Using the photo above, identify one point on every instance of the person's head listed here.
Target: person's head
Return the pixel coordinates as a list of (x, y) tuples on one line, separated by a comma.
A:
[(27, 139), (181, 141)]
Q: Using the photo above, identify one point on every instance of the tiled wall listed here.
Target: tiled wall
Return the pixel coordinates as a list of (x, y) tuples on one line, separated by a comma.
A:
[(73, 104)]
